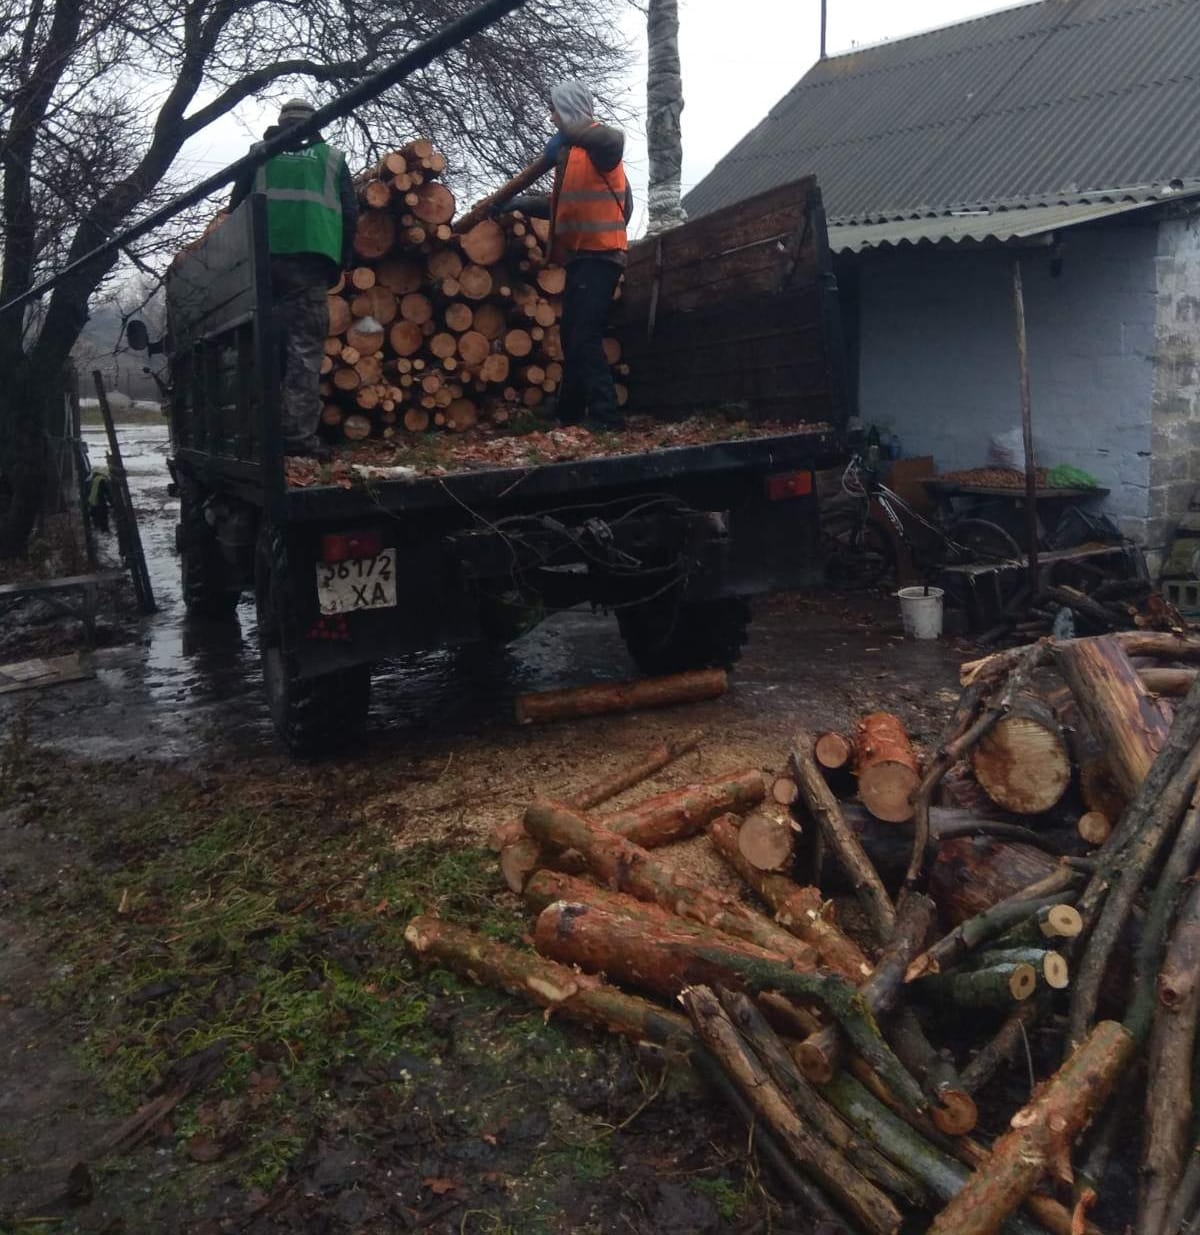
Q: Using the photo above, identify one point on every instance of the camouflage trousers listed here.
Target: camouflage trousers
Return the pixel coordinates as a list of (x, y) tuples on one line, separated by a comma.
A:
[(302, 319)]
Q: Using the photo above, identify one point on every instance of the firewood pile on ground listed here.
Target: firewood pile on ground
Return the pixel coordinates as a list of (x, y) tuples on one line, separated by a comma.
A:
[(1001, 1010)]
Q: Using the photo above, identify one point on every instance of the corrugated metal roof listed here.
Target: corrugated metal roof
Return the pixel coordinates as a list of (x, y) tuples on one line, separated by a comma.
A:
[(998, 225), (1041, 102)]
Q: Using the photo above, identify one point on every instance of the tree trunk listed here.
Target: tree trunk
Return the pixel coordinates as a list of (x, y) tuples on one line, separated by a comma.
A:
[(690, 687), (800, 909), (664, 105), (1040, 1135), (874, 1211), (1022, 762), (1119, 710), (26, 406), (626, 867), (558, 988), (886, 766), (971, 875), (667, 961)]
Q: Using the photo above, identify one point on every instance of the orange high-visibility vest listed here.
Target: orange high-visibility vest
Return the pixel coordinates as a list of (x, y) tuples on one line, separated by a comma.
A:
[(588, 208)]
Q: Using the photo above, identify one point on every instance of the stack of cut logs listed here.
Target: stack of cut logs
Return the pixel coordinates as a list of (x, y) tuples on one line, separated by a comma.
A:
[(435, 329), (986, 939)]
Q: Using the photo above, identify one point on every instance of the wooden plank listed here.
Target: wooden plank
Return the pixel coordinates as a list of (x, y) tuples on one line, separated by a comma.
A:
[(1057, 555), (33, 587), (49, 671)]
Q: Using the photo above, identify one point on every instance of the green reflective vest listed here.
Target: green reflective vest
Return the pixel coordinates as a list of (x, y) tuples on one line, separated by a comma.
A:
[(304, 211)]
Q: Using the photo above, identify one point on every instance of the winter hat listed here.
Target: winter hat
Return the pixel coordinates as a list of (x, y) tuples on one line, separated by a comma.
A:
[(296, 111), (573, 102)]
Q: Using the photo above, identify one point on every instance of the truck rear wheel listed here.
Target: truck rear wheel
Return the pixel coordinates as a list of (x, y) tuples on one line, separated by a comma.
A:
[(312, 716), (204, 574), (670, 638)]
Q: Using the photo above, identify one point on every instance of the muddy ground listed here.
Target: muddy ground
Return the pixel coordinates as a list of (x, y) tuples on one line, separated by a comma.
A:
[(188, 919)]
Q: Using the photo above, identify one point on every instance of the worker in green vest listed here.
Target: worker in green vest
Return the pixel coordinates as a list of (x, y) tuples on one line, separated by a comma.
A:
[(311, 214)]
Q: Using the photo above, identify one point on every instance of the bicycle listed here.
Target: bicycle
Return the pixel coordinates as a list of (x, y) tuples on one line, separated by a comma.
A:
[(859, 553)]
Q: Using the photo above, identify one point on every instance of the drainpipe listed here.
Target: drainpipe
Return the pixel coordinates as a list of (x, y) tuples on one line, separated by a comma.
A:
[(824, 16)]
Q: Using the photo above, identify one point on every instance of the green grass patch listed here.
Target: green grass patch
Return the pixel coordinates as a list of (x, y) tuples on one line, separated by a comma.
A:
[(244, 929)]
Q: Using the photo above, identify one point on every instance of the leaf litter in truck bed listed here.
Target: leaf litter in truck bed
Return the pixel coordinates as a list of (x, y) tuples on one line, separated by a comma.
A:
[(413, 456)]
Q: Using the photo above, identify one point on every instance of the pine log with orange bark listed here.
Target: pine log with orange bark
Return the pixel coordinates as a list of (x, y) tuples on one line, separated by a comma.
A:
[(886, 766), (625, 867), (690, 687), (660, 820), (557, 988), (598, 792), (1040, 1135)]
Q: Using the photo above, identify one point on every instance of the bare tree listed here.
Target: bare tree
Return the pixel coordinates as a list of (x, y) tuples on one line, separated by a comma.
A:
[(664, 104), (98, 97)]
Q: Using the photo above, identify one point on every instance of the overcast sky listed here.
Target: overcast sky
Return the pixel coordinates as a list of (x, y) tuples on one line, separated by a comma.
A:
[(738, 60)]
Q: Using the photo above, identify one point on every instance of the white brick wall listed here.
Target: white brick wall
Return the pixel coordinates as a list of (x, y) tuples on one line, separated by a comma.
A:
[(939, 367)]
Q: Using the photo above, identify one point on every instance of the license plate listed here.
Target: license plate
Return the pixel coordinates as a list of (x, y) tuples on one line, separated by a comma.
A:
[(361, 583)]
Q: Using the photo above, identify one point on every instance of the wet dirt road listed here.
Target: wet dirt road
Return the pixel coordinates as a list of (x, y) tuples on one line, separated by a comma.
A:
[(190, 691)]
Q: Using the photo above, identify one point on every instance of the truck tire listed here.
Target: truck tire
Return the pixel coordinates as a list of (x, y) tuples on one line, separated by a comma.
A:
[(311, 716), (203, 572), (671, 638)]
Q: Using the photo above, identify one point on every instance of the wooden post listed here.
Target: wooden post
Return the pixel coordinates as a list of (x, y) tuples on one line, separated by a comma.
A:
[(1031, 520), (123, 510)]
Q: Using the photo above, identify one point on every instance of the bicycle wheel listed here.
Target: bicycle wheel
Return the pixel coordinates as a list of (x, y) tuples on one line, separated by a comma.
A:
[(857, 555), (979, 540)]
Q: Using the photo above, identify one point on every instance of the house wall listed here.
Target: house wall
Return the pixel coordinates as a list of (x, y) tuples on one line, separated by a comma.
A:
[(1175, 433), (939, 365)]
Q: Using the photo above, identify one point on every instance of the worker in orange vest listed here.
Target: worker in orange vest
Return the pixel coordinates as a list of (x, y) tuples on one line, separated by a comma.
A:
[(589, 210)]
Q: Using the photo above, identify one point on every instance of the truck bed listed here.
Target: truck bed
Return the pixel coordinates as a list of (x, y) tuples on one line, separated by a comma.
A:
[(411, 457), (482, 467)]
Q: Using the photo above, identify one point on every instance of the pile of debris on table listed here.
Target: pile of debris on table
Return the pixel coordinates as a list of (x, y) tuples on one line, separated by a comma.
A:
[(998, 941)]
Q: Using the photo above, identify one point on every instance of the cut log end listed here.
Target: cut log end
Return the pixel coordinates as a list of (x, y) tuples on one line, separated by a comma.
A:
[(1062, 922), (833, 751), (767, 843), (955, 1113), (1094, 828), (813, 1061), (784, 790), (886, 790), (1022, 982), (1056, 971)]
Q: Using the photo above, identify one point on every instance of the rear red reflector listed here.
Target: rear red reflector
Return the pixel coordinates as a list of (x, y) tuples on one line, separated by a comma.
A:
[(345, 546), (789, 484)]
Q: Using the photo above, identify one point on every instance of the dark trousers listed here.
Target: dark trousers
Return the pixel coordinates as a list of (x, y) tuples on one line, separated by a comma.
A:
[(299, 284), (587, 386)]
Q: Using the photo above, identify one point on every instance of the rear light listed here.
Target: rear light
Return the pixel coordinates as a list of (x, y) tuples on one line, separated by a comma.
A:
[(789, 484), (344, 546)]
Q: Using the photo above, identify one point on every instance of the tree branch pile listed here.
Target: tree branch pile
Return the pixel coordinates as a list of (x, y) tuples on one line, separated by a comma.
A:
[(1009, 975)]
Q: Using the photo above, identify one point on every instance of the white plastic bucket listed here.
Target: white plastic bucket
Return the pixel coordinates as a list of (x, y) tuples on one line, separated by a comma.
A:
[(921, 612)]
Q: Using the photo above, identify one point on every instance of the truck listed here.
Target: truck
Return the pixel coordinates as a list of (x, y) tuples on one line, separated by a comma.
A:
[(732, 317)]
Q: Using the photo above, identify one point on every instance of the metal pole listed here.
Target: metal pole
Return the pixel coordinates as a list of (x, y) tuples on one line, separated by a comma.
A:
[(824, 17), (1031, 515), (456, 32)]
